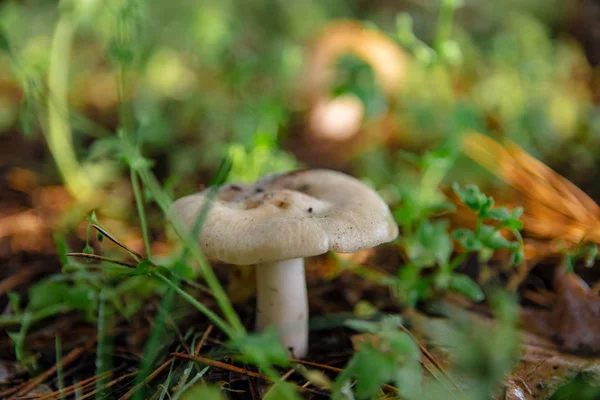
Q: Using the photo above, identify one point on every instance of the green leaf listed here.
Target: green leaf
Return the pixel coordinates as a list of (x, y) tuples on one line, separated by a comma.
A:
[(81, 297), (223, 171), (388, 323), (466, 286), (393, 357), (28, 116), (471, 196), (204, 392), (512, 223), (62, 248), (15, 302), (401, 344), (491, 238), (372, 369), (143, 268), (4, 42), (486, 207), (120, 52), (411, 286), (516, 213), (362, 325), (518, 256), (280, 390), (408, 380), (262, 349), (408, 211), (430, 244), (106, 147), (467, 239), (434, 235), (499, 214), (589, 255), (164, 271), (46, 293)]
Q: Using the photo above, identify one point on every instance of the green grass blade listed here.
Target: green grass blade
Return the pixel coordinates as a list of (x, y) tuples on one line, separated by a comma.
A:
[(59, 366)]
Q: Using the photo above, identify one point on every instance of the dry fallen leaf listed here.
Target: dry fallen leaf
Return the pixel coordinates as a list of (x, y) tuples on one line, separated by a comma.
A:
[(555, 210), (572, 320), (557, 215), (542, 367)]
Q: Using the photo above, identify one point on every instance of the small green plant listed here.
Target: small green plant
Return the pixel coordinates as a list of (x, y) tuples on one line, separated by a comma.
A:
[(266, 351), (484, 350), (387, 355), (488, 238), (357, 77), (263, 158), (443, 49), (586, 252), (428, 243)]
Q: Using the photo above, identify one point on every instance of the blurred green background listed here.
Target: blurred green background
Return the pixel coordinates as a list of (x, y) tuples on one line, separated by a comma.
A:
[(206, 78)]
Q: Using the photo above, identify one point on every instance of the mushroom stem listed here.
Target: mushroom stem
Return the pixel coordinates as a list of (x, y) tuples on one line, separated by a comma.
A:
[(281, 301)]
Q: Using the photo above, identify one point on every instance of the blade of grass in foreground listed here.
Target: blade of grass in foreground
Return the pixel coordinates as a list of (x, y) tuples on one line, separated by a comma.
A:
[(150, 181), (59, 135), (59, 367), (151, 351), (103, 346), (152, 346)]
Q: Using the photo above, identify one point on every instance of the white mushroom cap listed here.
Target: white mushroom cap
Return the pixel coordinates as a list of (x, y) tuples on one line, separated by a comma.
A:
[(298, 214)]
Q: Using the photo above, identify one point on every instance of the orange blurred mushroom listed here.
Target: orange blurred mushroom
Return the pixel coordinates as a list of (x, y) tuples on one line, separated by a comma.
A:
[(336, 126)]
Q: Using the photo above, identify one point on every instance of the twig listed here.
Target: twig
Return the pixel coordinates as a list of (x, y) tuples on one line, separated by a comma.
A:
[(205, 336), (238, 370), (222, 365), (332, 369), (109, 384), (101, 258), (287, 374), (91, 381), (178, 332), (68, 359), (431, 358), (134, 253), (148, 379)]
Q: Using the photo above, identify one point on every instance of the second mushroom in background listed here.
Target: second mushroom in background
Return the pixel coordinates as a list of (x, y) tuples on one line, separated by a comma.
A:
[(278, 221)]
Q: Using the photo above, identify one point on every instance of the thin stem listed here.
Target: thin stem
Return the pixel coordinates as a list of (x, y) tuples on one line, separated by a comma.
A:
[(59, 135), (444, 25), (189, 384), (33, 316), (209, 276), (152, 346), (137, 256), (103, 346), (101, 258), (142, 214), (201, 307), (458, 260)]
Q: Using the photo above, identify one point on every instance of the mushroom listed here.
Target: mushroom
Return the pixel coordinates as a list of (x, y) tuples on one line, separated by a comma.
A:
[(278, 221)]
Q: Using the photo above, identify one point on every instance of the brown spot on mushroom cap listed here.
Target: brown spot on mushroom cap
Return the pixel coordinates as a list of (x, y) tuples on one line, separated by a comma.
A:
[(246, 227)]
